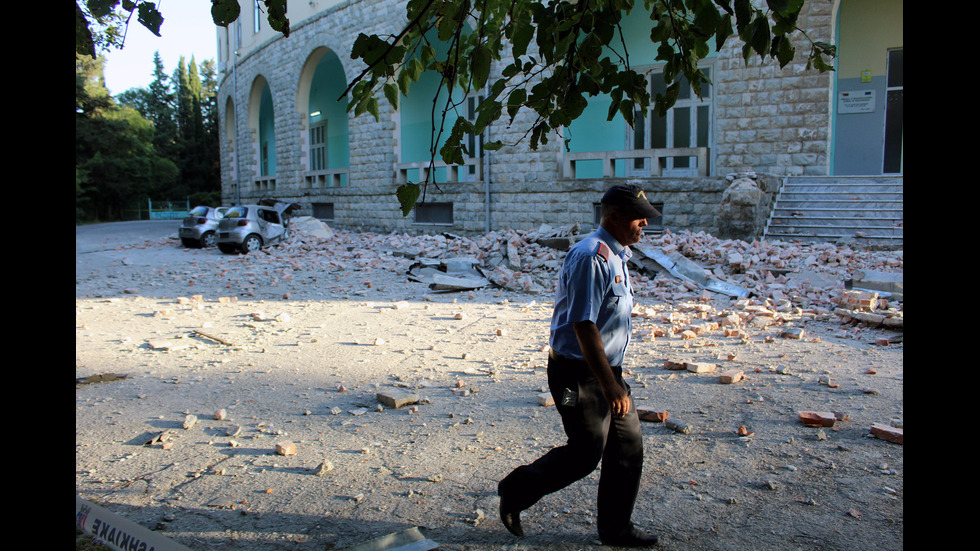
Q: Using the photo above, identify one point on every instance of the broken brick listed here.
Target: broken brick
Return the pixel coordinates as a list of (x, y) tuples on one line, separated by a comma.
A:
[(731, 376), (397, 398), (885, 432), (285, 448), (817, 418), (699, 367), (646, 413)]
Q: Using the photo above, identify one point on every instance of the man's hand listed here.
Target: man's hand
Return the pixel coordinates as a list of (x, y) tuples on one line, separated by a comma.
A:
[(595, 355), (619, 400)]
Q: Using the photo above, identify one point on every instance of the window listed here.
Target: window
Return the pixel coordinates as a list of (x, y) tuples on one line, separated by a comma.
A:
[(474, 143), (318, 146), (257, 12), (434, 213), (686, 124), (323, 211), (265, 159)]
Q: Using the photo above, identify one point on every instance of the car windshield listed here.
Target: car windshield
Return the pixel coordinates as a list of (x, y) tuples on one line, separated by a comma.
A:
[(199, 211), (237, 212)]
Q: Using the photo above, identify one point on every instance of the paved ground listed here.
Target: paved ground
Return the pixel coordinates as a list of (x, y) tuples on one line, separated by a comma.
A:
[(313, 335)]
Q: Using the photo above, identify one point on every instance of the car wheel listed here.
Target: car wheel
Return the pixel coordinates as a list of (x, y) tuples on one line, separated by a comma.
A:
[(251, 243), (208, 239)]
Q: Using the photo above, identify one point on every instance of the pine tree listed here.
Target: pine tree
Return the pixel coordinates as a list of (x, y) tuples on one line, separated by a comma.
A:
[(160, 111)]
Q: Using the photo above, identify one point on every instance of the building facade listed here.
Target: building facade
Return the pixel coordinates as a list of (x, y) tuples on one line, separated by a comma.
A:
[(286, 134)]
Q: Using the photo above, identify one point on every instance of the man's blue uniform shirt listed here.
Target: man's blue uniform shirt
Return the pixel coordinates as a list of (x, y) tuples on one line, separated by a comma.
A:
[(593, 285)]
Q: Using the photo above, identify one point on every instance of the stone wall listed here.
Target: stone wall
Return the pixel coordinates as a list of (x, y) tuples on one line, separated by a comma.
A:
[(775, 120), (766, 120)]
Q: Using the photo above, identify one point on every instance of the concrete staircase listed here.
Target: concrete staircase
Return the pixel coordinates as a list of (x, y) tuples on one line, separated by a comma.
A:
[(865, 208)]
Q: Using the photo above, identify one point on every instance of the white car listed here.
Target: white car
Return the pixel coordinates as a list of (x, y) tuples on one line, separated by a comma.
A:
[(199, 226), (248, 228)]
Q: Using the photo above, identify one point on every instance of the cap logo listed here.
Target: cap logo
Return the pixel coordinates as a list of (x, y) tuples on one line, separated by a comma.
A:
[(641, 195)]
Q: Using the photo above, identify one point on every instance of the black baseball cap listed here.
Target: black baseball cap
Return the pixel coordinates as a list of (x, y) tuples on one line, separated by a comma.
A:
[(631, 198)]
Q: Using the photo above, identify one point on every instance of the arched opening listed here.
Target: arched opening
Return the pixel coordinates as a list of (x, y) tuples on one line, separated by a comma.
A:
[(325, 132), (676, 144), (262, 127), (420, 122)]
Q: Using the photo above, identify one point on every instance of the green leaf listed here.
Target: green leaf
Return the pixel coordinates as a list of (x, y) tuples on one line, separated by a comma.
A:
[(489, 111), (613, 109), (391, 94), (493, 146), (523, 31), (224, 12), (707, 19), (743, 14), (723, 32), (480, 66), (515, 101), (407, 195), (83, 36), (277, 15), (149, 17), (404, 81), (759, 36), (784, 50)]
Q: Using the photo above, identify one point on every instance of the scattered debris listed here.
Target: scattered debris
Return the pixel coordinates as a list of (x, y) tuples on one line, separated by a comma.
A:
[(454, 274), (792, 333), (162, 437), (212, 337), (649, 414), (887, 284), (99, 378), (889, 433), (285, 447), (323, 468), (406, 540), (169, 344), (189, 421), (677, 426), (731, 376), (699, 367), (396, 398), (817, 418)]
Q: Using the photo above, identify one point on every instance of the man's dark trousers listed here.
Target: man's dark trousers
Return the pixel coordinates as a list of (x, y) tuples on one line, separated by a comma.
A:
[(594, 434)]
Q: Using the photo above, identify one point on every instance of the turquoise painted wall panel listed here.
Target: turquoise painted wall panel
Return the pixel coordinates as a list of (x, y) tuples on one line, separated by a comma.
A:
[(327, 85), (267, 134)]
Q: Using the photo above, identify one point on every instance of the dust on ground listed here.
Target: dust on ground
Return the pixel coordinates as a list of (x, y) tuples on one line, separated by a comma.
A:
[(295, 342)]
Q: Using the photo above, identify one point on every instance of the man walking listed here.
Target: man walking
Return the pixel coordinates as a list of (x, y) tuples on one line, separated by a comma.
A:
[(590, 330)]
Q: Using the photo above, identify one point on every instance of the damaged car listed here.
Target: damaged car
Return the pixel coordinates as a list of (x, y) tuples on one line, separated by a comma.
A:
[(247, 228), (200, 226)]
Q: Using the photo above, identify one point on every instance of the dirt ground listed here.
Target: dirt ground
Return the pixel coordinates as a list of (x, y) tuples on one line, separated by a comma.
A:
[(295, 350)]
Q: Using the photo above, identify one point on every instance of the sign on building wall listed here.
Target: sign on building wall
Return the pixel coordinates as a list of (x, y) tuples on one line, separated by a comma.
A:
[(862, 101)]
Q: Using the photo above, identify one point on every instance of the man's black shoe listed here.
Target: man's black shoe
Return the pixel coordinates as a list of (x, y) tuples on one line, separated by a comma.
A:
[(512, 522), (631, 538), (509, 516)]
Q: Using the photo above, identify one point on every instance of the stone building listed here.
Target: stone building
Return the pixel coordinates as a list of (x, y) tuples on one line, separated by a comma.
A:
[(286, 134)]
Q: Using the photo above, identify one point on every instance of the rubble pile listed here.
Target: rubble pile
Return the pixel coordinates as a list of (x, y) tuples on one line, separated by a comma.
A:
[(777, 277)]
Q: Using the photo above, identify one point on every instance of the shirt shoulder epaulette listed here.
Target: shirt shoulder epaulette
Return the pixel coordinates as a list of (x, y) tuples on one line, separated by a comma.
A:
[(604, 251)]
